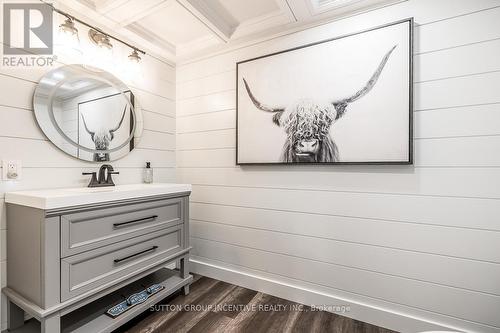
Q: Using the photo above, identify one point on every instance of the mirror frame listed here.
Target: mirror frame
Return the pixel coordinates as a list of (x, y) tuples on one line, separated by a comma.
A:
[(43, 105)]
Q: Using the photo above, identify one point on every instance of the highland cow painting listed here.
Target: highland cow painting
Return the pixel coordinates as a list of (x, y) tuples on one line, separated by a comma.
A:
[(346, 100)]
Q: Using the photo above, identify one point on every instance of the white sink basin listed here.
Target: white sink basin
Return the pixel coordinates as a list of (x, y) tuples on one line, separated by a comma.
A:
[(68, 197)]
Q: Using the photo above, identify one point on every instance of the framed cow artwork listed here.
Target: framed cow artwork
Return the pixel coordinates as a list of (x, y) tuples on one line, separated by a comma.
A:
[(346, 100)]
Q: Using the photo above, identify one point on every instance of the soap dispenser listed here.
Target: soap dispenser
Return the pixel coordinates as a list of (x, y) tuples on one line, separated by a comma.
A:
[(148, 173)]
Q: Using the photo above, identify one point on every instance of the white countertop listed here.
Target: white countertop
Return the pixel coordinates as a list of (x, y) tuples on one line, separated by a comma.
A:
[(68, 197)]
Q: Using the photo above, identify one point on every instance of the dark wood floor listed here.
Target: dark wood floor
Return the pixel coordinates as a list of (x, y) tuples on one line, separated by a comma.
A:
[(223, 307)]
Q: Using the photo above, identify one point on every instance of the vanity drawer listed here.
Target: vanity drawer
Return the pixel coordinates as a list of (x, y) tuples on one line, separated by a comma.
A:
[(85, 231), (86, 271)]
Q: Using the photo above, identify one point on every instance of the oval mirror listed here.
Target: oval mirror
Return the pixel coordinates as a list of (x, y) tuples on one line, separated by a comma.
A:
[(88, 113)]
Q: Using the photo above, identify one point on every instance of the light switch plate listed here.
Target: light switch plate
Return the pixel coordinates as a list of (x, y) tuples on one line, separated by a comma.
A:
[(11, 170)]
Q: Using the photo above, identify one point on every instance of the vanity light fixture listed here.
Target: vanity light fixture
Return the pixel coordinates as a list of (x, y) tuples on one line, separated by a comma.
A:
[(96, 35), (134, 57), (133, 67), (68, 38), (104, 51), (100, 39), (68, 28)]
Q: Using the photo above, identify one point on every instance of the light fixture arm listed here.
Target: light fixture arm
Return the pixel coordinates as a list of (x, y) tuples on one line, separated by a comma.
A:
[(61, 12)]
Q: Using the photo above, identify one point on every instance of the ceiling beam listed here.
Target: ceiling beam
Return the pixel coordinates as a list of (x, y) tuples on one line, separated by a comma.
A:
[(300, 9), (151, 37), (209, 17)]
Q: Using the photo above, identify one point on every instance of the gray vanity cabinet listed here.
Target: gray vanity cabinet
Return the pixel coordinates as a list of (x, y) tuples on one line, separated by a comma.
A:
[(64, 261)]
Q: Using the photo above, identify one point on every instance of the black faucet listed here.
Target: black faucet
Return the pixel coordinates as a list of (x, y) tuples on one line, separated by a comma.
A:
[(104, 178)]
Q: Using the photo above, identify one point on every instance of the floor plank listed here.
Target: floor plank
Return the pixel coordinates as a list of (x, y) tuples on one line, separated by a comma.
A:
[(211, 322), (217, 307), (184, 320), (235, 302), (270, 314)]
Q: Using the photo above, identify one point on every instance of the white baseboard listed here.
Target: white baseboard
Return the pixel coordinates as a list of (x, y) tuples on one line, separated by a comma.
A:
[(384, 314)]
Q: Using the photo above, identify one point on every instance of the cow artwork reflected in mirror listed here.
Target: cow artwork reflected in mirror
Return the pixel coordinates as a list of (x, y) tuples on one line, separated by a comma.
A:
[(88, 113), (291, 109), (102, 137)]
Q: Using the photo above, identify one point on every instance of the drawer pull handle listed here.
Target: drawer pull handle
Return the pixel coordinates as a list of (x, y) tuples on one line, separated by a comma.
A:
[(152, 248), (123, 224)]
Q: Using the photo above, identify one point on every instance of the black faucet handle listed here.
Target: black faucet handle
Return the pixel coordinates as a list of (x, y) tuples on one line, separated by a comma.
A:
[(109, 179), (93, 180)]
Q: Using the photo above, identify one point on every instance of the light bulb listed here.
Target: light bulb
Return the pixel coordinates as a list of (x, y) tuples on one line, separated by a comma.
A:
[(103, 52), (133, 66), (105, 43), (134, 57), (68, 41)]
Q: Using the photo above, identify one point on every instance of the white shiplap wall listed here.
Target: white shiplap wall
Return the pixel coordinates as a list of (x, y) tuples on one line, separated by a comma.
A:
[(404, 246), (45, 166)]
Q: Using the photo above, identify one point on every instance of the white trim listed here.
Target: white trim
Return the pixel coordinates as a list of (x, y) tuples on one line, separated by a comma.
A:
[(384, 314)]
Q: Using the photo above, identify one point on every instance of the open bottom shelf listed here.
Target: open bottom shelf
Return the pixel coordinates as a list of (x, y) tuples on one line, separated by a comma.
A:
[(92, 317)]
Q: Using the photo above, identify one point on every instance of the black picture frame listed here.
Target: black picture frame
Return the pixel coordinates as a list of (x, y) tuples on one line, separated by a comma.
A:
[(131, 122), (409, 161)]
